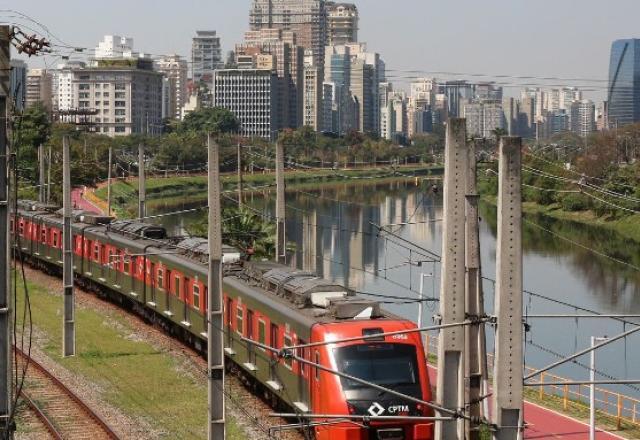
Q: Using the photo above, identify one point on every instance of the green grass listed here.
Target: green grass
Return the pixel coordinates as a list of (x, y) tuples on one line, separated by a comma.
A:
[(177, 191), (133, 376)]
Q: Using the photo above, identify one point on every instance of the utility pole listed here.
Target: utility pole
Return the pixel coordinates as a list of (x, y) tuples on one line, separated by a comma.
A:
[(41, 187), (215, 339), (49, 176), (142, 189), (475, 346), (508, 375), (450, 388), (281, 251), (239, 175), (109, 181), (6, 364), (69, 328)]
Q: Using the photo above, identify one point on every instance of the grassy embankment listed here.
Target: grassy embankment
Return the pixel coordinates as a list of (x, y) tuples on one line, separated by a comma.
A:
[(131, 374), (179, 191)]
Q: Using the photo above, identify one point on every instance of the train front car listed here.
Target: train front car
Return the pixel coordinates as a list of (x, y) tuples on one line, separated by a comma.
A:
[(395, 362)]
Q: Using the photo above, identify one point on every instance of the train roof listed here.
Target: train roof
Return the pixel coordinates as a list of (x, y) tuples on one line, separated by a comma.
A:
[(309, 294)]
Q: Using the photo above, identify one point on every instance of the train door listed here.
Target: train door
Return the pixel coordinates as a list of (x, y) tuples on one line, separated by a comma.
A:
[(134, 268), (167, 291), (103, 262), (152, 282), (274, 342), (251, 353), (186, 295), (303, 373), (227, 320)]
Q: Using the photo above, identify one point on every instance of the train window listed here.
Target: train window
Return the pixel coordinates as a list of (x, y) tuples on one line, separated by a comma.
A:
[(96, 251), (160, 278), (262, 332), (274, 336), (176, 286), (111, 261), (288, 342), (196, 296), (21, 228), (382, 364), (43, 235), (301, 353), (126, 263), (239, 319), (54, 240), (317, 362)]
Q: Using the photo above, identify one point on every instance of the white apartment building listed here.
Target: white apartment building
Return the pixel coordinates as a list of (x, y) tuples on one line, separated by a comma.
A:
[(483, 118), (115, 46), (127, 100), (175, 69), (251, 95), (583, 117), (63, 84), (312, 98)]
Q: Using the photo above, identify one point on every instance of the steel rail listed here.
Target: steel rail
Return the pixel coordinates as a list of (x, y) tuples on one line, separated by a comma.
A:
[(74, 397), (48, 424)]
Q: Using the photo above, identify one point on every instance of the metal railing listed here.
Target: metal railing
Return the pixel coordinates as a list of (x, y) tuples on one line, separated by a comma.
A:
[(616, 406)]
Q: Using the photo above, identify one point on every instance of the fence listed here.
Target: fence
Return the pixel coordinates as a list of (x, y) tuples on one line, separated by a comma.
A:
[(621, 408)]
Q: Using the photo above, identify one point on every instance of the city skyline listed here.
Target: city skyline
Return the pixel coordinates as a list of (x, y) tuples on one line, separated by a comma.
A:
[(390, 32)]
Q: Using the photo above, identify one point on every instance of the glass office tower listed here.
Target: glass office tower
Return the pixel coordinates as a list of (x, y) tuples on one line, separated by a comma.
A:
[(624, 83)]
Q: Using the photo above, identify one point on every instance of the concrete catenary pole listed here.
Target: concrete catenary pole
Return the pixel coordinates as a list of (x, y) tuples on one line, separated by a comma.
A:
[(508, 374), (69, 324), (142, 187), (50, 155), (109, 181), (475, 350), (281, 251), (240, 183), (450, 388), (6, 364), (215, 349), (41, 187)]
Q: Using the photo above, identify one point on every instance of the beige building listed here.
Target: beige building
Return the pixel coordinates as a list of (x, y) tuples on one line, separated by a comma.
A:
[(125, 95), (39, 89), (342, 23), (174, 68)]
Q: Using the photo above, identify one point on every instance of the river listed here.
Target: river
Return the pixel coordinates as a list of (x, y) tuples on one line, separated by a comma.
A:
[(334, 231)]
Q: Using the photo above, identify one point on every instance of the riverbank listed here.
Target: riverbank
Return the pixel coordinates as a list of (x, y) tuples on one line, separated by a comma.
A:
[(182, 190), (627, 227)]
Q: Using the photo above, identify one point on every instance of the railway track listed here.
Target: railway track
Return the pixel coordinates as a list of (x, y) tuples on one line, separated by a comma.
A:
[(64, 415)]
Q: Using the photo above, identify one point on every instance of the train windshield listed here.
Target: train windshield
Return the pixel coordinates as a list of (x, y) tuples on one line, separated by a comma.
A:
[(387, 365)]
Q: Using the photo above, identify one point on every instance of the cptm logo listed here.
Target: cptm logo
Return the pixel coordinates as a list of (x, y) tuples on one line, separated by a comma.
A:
[(376, 409)]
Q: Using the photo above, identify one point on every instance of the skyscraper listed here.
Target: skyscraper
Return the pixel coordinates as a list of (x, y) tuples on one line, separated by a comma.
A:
[(583, 114), (38, 88), (307, 18), (206, 56), (624, 82), (342, 23), (174, 68)]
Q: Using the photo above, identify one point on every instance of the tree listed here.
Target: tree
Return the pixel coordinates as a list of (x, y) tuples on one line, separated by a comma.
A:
[(30, 131), (215, 120)]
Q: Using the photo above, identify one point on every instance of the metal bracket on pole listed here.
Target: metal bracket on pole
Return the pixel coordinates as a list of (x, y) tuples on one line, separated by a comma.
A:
[(508, 374), (215, 339), (69, 327), (240, 182), (450, 388), (41, 180), (281, 243)]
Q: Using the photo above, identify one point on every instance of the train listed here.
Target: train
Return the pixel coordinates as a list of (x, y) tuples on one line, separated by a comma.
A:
[(164, 279)]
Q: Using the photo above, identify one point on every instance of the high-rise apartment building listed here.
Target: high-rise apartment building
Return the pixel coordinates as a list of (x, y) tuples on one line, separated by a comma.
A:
[(483, 117), (342, 23), (337, 71), (458, 93), (312, 98), (624, 82), (278, 49), (18, 84), (63, 85), (307, 18), (511, 110), (251, 95), (115, 46), (206, 57), (174, 68), (126, 96), (38, 88), (583, 117), (367, 72)]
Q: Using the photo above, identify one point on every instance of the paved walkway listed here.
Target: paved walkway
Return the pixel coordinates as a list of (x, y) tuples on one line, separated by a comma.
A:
[(79, 202), (543, 423)]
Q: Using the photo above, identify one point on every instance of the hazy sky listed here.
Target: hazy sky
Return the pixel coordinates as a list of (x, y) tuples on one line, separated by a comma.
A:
[(542, 38)]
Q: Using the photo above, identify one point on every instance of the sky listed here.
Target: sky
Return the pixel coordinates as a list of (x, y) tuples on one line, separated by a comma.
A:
[(540, 38)]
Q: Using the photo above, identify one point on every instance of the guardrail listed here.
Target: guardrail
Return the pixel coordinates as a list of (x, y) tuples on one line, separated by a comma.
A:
[(617, 406)]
